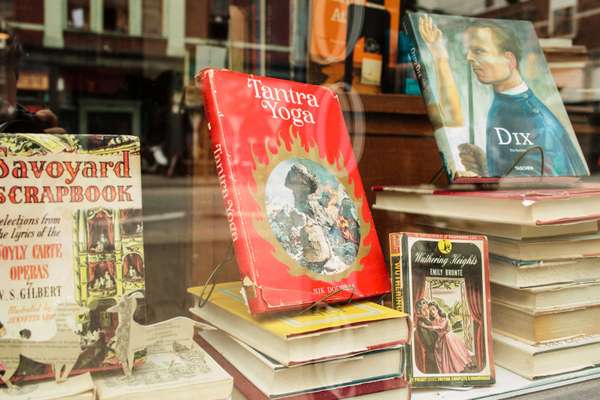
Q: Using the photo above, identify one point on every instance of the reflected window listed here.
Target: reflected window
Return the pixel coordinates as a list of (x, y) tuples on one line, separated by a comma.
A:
[(78, 14), (116, 16), (562, 18)]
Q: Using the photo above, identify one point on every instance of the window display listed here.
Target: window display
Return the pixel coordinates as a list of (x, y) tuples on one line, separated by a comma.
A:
[(270, 150)]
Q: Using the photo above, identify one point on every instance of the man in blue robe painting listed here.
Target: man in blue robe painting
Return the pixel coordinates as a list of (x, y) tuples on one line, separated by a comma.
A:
[(517, 120)]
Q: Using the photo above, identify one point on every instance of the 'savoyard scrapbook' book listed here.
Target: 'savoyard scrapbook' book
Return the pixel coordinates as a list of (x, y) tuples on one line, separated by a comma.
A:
[(70, 234), (299, 219), (491, 98)]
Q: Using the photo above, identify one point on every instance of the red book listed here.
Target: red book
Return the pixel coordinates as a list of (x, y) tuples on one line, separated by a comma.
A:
[(299, 218)]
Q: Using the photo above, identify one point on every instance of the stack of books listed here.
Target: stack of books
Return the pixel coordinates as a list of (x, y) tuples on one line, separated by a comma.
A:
[(344, 351), (545, 267)]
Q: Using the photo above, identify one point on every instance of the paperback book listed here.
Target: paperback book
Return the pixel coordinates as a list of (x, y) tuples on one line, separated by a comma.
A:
[(443, 282), (491, 98), (299, 219), (70, 232)]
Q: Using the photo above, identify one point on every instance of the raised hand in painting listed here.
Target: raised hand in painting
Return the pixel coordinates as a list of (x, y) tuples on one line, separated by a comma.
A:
[(433, 37)]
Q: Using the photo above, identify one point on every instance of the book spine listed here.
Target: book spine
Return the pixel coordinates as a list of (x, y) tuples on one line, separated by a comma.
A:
[(488, 303), (396, 271), (415, 57), (406, 302), (433, 109), (229, 190), (406, 278)]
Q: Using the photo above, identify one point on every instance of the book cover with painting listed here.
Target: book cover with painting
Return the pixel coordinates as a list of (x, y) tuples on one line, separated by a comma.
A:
[(299, 219), (491, 98), (443, 282), (70, 232)]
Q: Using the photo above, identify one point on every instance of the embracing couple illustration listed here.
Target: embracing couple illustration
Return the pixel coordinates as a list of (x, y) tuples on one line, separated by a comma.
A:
[(444, 351)]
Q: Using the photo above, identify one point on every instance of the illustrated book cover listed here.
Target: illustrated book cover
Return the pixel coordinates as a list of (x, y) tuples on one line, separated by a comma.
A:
[(490, 96), (443, 282), (70, 232), (299, 219)]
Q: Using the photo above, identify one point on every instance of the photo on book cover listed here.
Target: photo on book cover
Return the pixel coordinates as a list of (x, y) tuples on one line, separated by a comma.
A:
[(491, 98), (312, 216), (446, 290)]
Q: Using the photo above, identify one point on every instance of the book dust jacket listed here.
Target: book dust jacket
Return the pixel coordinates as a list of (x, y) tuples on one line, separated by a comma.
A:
[(70, 232), (492, 100), (299, 219), (442, 281)]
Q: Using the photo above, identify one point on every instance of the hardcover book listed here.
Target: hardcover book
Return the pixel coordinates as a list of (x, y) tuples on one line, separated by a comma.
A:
[(545, 359), (70, 232), (538, 208), (443, 282), (291, 338), (278, 380), (491, 98), (521, 274), (509, 231), (246, 383), (532, 326), (299, 219)]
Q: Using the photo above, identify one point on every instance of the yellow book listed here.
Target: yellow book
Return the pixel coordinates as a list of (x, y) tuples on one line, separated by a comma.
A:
[(296, 337)]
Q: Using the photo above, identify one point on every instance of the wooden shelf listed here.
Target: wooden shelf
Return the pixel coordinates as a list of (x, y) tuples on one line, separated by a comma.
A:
[(392, 104)]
